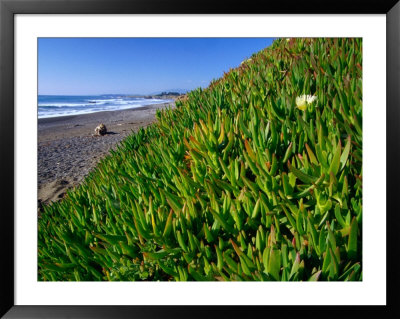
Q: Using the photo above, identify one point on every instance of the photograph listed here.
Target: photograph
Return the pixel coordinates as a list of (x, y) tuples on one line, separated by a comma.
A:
[(199, 159)]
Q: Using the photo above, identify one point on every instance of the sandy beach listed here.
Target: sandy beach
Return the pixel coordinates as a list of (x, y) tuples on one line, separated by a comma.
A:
[(68, 148)]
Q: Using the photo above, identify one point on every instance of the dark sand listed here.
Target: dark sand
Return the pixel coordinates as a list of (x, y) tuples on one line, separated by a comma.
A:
[(68, 149)]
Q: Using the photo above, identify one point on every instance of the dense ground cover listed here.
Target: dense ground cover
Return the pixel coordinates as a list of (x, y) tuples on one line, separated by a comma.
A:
[(249, 179)]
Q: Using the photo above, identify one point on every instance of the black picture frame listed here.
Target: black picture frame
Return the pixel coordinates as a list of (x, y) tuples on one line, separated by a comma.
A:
[(8, 8)]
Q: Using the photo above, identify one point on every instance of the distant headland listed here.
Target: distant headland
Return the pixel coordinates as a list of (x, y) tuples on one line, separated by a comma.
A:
[(163, 95)]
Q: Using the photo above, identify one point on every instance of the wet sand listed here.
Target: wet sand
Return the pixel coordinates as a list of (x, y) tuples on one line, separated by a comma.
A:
[(68, 149)]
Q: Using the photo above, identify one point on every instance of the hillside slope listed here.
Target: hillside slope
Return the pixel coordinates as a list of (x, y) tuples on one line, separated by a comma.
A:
[(257, 177)]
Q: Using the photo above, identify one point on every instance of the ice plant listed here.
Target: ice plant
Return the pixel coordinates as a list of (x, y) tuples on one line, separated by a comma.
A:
[(303, 100), (230, 185)]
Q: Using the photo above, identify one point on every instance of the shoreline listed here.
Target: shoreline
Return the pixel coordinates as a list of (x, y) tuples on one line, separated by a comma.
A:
[(68, 149), (66, 117), (70, 123)]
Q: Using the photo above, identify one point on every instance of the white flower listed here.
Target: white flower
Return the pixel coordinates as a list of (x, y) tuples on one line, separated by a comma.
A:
[(311, 98), (246, 61), (302, 101)]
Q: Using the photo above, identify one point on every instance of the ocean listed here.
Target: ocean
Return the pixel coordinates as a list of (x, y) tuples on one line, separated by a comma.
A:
[(61, 105)]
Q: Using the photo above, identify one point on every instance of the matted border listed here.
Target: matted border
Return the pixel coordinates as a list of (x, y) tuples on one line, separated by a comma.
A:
[(370, 291), (9, 8)]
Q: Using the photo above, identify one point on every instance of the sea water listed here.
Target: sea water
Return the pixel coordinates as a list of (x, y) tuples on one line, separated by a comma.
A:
[(61, 105)]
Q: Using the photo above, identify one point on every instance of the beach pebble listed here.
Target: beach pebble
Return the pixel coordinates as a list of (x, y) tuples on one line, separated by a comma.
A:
[(100, 129)]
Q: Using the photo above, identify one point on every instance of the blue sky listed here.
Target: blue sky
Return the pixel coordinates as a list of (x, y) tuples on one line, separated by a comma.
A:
[(90, 66)]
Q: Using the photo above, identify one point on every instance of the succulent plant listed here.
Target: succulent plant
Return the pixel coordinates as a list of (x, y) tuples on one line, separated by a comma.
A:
[(235, 183)]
